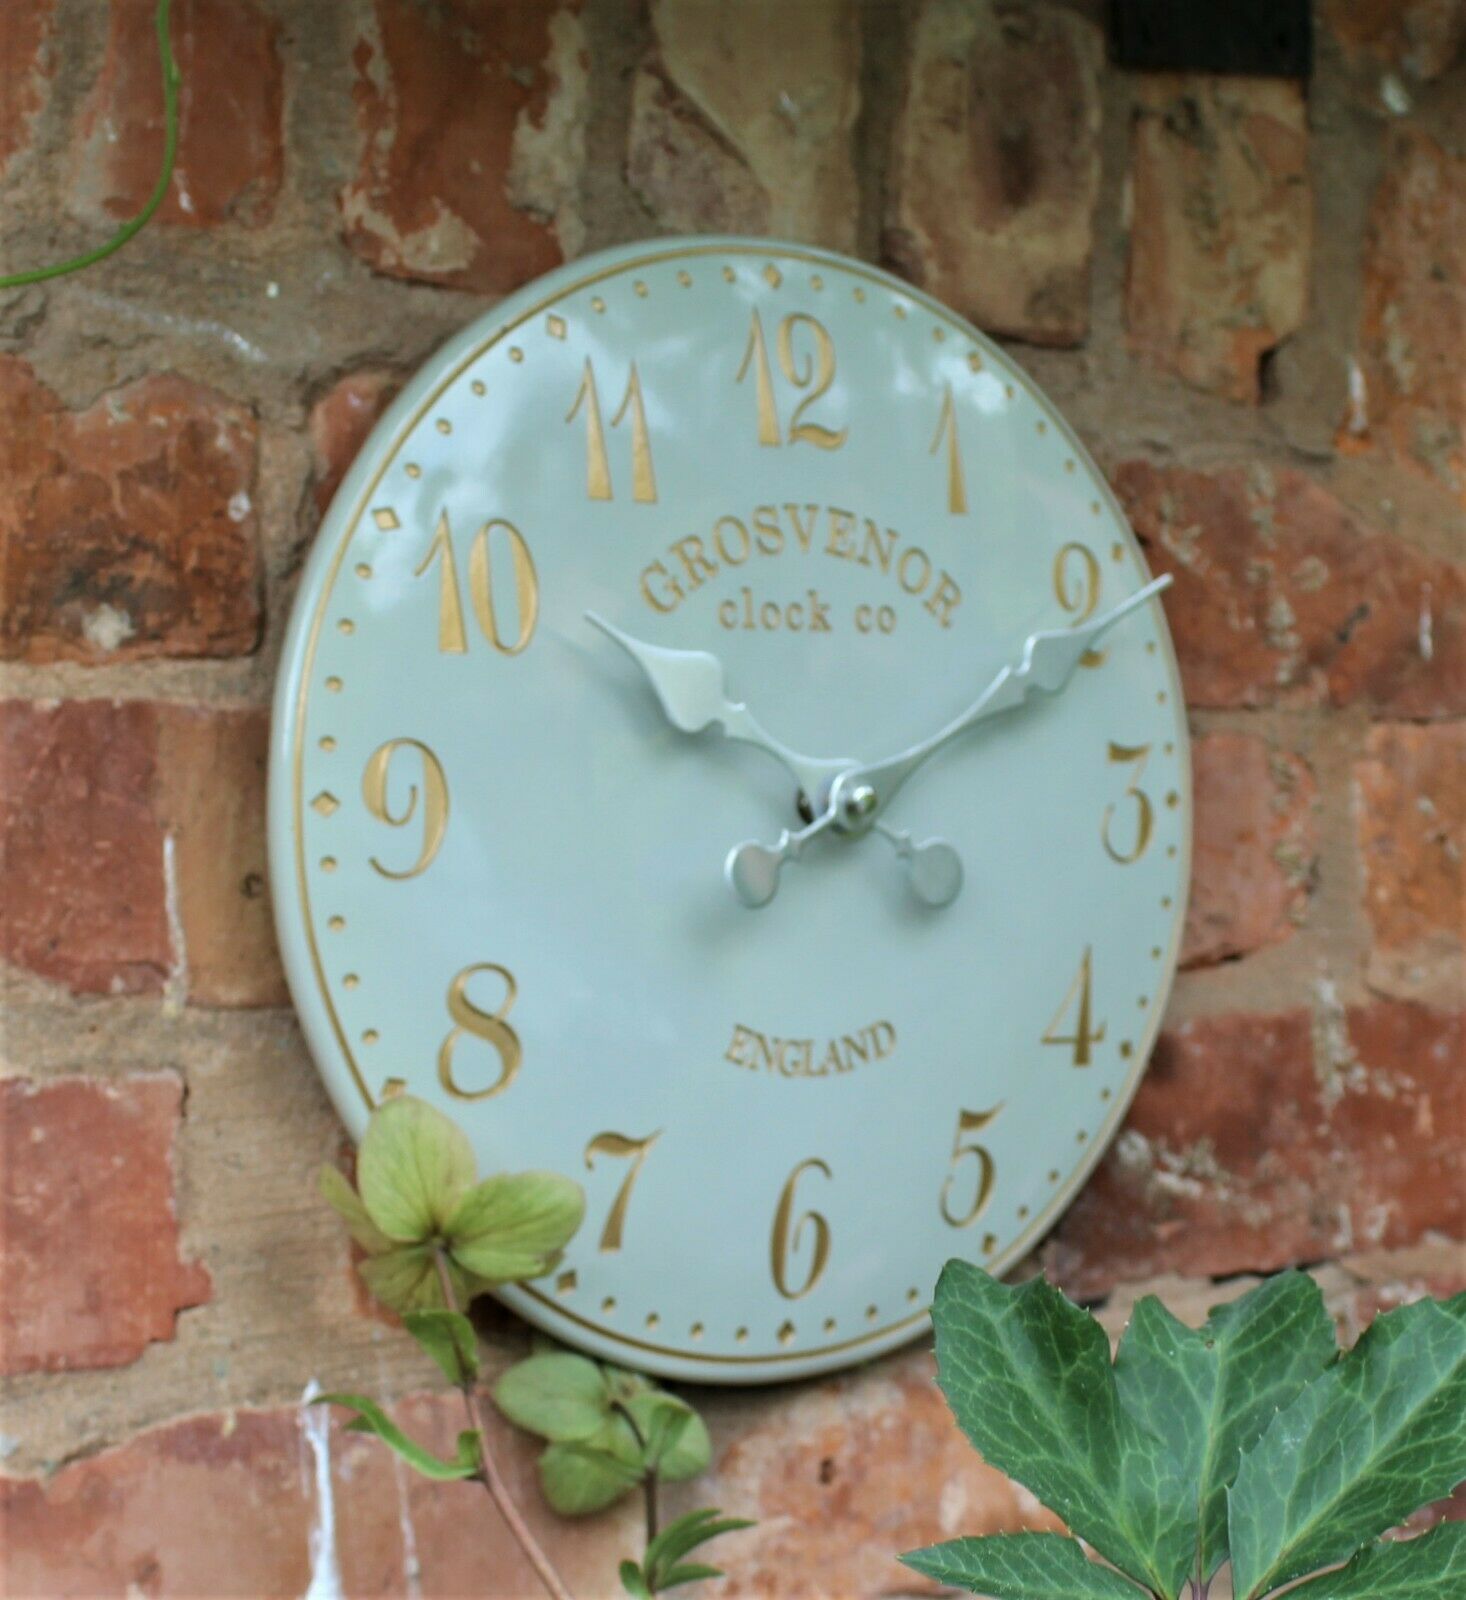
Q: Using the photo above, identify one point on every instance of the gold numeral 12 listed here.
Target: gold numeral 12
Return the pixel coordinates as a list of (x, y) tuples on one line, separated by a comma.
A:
[(597, 463), (1085, 1033), (818, 370)]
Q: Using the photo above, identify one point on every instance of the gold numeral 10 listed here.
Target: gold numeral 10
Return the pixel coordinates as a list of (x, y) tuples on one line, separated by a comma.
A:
[(619, 1144), (947, 430), (1079, 593), (452, 636), (1085, 1033), (1144, 811), (970, 1122), (788, 1230), (817, 369), (490, 1026), (434, 798), (597, 463)]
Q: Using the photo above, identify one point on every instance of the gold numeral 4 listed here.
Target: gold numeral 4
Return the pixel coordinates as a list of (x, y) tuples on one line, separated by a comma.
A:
[(434, 797), (597, 462), (1085, 1033), (452, 636), (490, 1026), (970, 1122), (816, 369), (621, 1145), (788, 1230)]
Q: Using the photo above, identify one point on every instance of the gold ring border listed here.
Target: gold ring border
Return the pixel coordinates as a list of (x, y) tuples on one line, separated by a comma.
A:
[(892, 1333)]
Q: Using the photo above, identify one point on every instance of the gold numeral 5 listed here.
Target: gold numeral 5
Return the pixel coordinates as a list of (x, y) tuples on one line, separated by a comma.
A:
[(435, 801), (1084, 1034), (1080, 597), (1144, 811), (597, 463), (619, 1144), (490, 1026), (817, 369), (784, 1241), (987, 1171), (452, 637)]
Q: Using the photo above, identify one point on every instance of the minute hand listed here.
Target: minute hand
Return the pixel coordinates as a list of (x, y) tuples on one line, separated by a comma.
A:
[(1046, 663)]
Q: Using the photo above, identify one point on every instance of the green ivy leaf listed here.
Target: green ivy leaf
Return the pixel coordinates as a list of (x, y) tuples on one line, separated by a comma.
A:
[(448, 1337), (1028, 1376), (633, 1582), (513, 1226), (1432, 1567), (677, 1443), (1209, 1393), (561, 1397), (1021, 1566), (578, 1478), (372, 1419), (1370, 1441), (346, 1202), (413, 1168), (404, 1278)]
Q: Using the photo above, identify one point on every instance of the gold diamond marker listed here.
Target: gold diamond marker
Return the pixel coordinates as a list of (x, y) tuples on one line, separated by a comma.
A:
[(566, 1282), (555, 325), (772, 276), (786, 1333), (386, 519), (325, 802)]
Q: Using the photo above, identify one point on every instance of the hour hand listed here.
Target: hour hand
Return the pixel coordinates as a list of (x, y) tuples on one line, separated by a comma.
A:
[(690, 686)]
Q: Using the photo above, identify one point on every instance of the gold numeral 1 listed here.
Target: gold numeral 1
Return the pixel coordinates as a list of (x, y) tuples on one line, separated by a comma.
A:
[(1144, 811), (1080, 598), (435, 801), (987, 1171), (818, 370), (452, 637), (619, 1144), (490, 1026), (784, 1241), (1085, 1034), (947, 429), (597, 463)]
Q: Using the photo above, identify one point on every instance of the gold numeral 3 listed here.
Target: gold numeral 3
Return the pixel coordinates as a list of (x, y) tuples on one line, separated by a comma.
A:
[(490, 1026), (788, 1229), (597, 463), (434, 797), (619, 1144), (452, 636), (817, 369), (1085, 1034), (1144, 811), (970, 1122)]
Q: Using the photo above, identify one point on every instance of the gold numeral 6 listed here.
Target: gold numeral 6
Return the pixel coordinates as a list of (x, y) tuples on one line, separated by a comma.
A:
[(489, 1026), (784, 1241), (987, 1171)]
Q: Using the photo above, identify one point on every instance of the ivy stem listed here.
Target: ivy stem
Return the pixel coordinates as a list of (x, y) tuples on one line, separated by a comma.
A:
[(171, 81), (488, 1474), (652, 1478)]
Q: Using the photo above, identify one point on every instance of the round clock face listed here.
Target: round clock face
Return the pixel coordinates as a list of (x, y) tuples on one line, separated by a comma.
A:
[(501, 856)]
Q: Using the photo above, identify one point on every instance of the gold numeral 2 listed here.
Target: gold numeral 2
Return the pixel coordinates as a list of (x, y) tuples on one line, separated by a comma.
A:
[(452, 636), (1144, 811), (619, 1144), (987, 1171), (435, 801), (947, 429), (1082, 597), (597, 463), (490, 1026), (784, 1241), (1084, 1034), (817, 369)]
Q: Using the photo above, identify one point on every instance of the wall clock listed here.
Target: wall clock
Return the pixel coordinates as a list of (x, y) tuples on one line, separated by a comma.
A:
[(727, 749)]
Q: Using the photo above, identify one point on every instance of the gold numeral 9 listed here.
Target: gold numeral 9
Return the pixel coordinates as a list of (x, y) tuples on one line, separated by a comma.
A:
[(490, 1026), (1144, 811), (619, 1144), (1079, 593), (434, 798), (1085, 1034), (970, 1122), (788, 1230), (452, 636), (817, 369)]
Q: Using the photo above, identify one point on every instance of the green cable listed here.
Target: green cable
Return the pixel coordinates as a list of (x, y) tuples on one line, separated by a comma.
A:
[(171, 82)]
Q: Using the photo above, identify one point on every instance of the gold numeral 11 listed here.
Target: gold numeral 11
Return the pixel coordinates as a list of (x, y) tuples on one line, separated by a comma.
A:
[(947, 429), (597, 463)]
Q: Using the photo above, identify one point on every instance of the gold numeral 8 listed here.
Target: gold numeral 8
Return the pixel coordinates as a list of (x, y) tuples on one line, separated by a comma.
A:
[(490, 1026)]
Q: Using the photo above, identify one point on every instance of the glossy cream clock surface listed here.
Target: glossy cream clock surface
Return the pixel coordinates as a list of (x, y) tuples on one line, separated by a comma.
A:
[(499, 868)]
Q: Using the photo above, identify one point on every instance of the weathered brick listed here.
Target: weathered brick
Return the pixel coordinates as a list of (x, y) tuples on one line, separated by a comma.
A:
[(1412, 835), (1282, 597), (88, 1233), (1221, 226), (1417, 39), (127, 529), (339, 424), (27, 50), (996, 165), (1258, 1141), (81, 851), (210, 799), (1409, 388), (230, 144), (471, 117), (1253, 847), (743, 119)]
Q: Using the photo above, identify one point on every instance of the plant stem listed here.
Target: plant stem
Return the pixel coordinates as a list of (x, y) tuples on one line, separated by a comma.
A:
[(651, 1479), (171, 82), (489, 1474)]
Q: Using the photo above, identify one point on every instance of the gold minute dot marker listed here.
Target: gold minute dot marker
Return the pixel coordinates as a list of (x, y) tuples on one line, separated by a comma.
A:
[(413, 470), (728, 276), (740, 1335), (370, 1036), (1105, 1093), (326, 743), (989, 1243), (1117, 552), (816, 282), (479, 387), (328, 863), (443, 425), (913, 1295), (346, 625), (336, 924), (938, 335), (871, 1313), (1054, 1176), (1094, 506), (1041, 425), (900, 310), (696, 1331), (974, 361), (685, 279), (350, 981), (641, 289), (830, 1324), (653, 1321), (786, 1333), (859, 295), (1022, 1212), (608, 1305), (597, 304), (363, 570), (515, 353)]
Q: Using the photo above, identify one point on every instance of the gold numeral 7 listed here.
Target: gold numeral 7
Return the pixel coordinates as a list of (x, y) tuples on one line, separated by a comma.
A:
[(619, 1144)]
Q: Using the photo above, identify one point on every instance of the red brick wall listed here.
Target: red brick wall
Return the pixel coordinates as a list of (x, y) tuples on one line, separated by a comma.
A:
[(1250, 301)]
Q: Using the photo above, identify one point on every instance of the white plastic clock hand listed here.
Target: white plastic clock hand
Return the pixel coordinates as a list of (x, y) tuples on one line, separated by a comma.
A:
[(690, 686), (1046, 663)]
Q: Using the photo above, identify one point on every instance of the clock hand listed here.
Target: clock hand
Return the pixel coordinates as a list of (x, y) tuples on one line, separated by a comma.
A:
[(1045, 664), (690, 686), (752, 869)]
